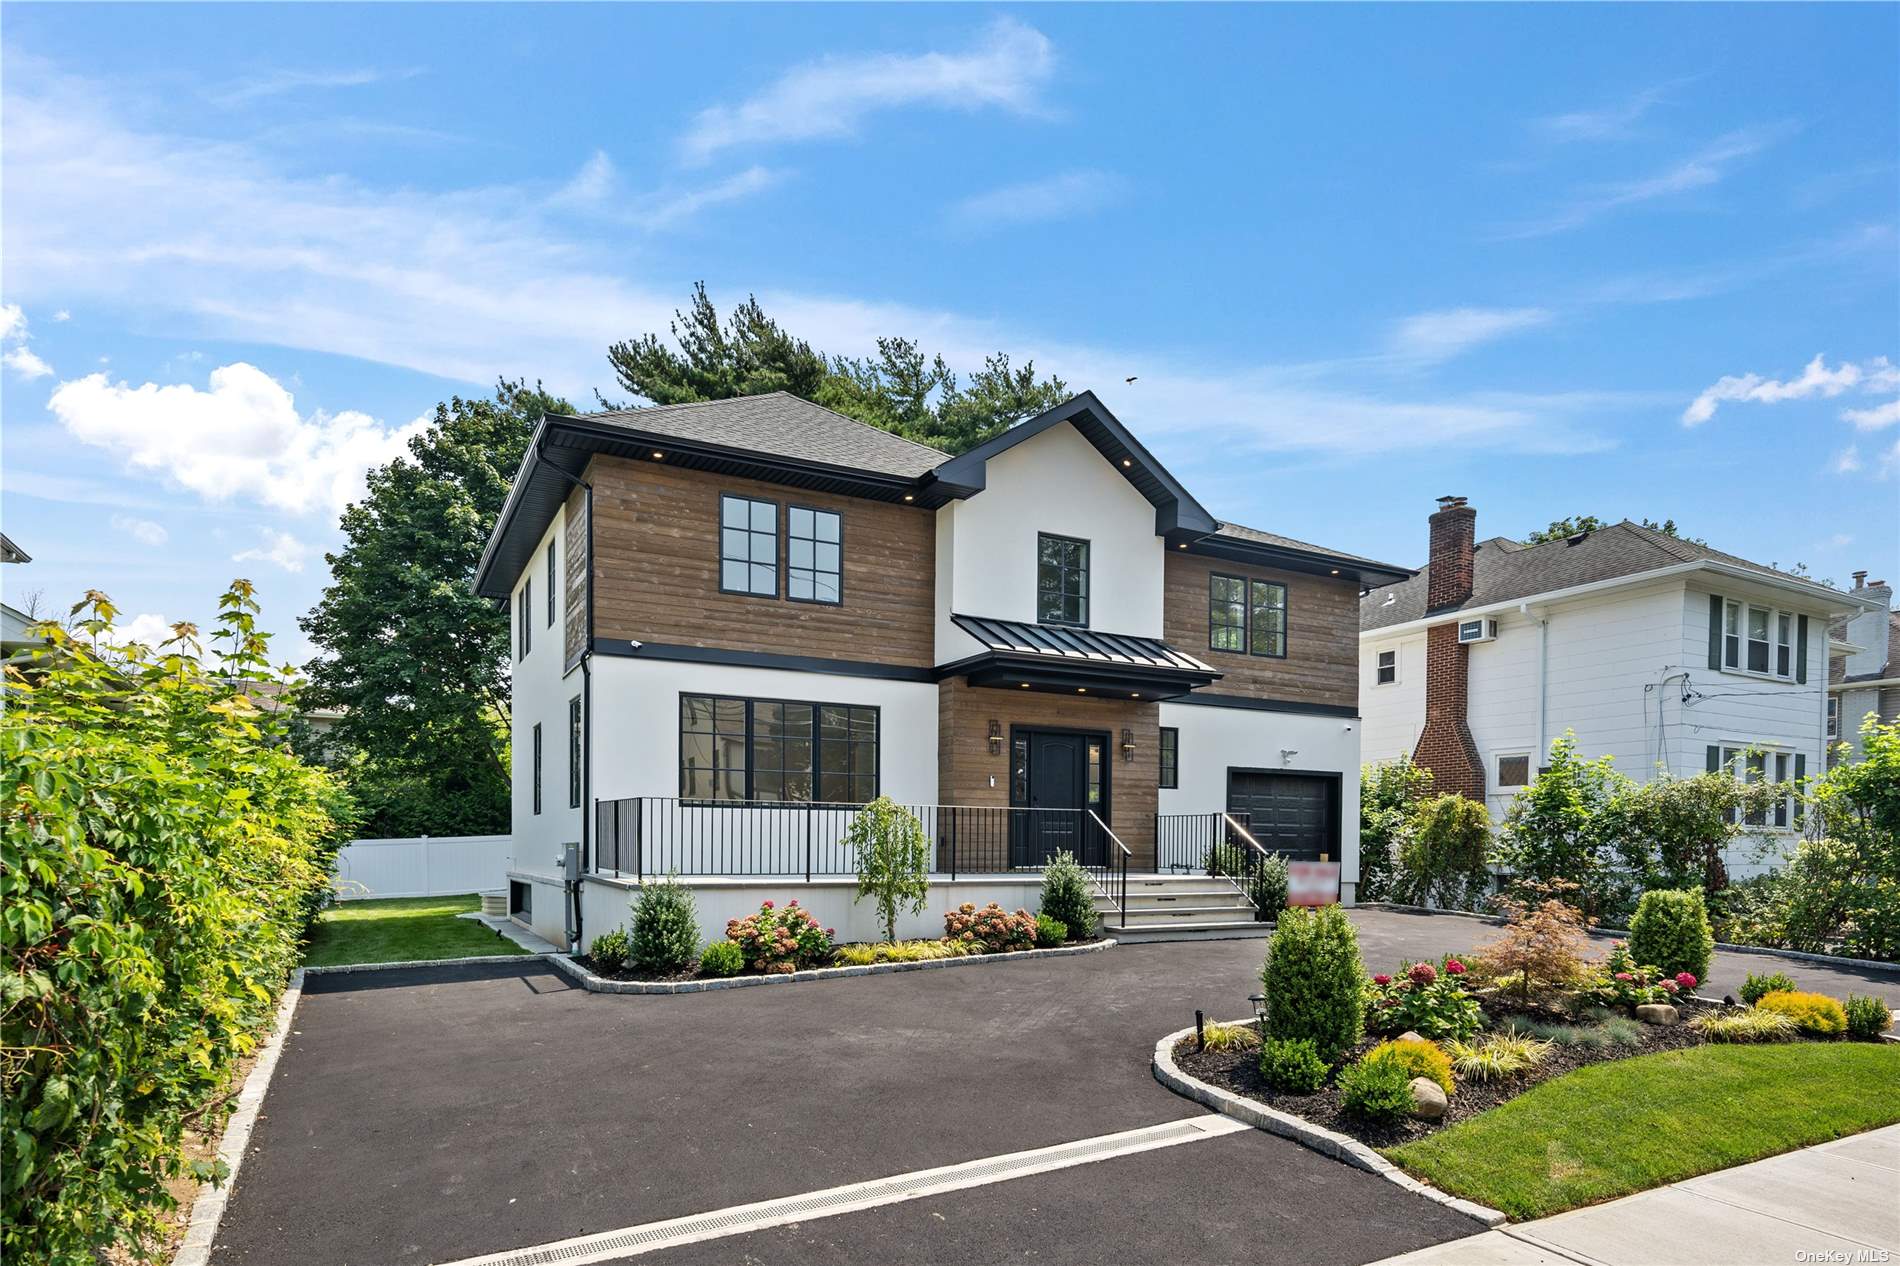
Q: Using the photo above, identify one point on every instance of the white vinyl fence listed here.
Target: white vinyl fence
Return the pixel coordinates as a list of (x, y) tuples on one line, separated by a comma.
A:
[(426, 867)]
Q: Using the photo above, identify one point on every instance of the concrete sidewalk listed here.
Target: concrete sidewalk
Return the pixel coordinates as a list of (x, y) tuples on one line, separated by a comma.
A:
[(1832, 1203)]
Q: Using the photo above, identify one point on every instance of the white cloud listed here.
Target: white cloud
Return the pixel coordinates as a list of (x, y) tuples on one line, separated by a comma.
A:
[(1840, 540), (1006, 70), (1890, 460), (1441, 335), (62, 315), (1816, 379), (145, 628), (1607, 123), (144, 531), (1881, 415), (280, 548), (1708, 166), (277, 82), (12, 321), (25, 363), (1056, 197), (243, 436), (1847, 461)]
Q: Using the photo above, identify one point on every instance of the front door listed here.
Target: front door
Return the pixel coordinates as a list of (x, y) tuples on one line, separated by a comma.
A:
[(1061, 775)]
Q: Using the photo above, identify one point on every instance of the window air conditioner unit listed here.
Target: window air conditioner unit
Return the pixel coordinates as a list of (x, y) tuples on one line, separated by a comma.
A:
[(1478, 631)]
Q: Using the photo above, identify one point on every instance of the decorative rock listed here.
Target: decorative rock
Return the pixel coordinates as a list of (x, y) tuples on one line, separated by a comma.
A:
[(1657, 1013), (1409, 1036), (1428, 1099)]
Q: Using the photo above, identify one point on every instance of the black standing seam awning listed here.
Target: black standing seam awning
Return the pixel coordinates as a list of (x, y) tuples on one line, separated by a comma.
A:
[(1050, 656)]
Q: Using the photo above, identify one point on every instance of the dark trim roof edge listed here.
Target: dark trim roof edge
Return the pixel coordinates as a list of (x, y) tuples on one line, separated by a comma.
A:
[(481, 585), (1206, 699), (1235, 549), (632, 437), (622, 648)]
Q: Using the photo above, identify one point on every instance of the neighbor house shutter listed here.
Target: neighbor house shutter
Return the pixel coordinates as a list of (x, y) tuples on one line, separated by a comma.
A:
[(1715, 632), (1715, 758), (1801, 649)]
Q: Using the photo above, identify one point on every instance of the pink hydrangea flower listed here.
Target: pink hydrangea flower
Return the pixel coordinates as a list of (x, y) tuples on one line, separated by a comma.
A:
[(1686, 979), (1669, 986), (1625, 977), (1382, 979), (768, 905), (1454, 968), (1423, 973)]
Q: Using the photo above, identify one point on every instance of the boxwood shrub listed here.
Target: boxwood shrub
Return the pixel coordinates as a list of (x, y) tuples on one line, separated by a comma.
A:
[(1671, 930), (1312, 980)]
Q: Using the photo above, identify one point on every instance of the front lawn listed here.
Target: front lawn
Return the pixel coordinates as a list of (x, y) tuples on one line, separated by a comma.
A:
[(1614, 1128), (402, 929)]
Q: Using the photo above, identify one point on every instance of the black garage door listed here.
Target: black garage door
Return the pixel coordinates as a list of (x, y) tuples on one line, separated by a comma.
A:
[(1296, 815)]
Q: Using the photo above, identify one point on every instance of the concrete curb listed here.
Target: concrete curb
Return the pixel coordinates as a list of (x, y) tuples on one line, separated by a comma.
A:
[(1826, 960), (346, 968), (1320, 1139), (208, 1210), (600, 984)]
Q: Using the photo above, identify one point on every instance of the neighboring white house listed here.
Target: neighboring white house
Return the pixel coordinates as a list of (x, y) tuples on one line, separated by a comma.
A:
[(736, 621), (1662, 653), (1863, 669)]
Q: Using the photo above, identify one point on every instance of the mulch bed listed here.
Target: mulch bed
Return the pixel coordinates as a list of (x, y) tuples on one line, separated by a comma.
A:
[(1239, 1072), (632, 973)]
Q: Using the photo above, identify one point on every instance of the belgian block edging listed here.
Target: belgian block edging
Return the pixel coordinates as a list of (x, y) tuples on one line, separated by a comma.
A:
[(600, 984), (1829, 960), (345, 968), (1326, 1142)]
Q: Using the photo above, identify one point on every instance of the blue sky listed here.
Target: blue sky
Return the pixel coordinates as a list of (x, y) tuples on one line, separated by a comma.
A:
[(1619, 260)]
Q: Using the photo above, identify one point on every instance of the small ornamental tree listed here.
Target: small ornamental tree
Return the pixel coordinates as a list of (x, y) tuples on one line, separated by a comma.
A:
[(893, 859), (1544, 941), (1389, 795), (1313, 980), (1671, 930), (1068, 895), (1444, 856)]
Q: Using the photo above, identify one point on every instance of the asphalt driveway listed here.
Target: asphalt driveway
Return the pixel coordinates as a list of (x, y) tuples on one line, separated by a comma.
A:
[(435, 1114)]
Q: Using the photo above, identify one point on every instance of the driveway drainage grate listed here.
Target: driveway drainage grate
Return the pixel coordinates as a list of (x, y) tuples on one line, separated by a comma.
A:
[(741, 1219)]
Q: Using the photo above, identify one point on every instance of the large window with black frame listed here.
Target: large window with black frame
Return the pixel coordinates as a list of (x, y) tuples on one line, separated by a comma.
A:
[(1062, 580), (777, 751), (1246, 617)]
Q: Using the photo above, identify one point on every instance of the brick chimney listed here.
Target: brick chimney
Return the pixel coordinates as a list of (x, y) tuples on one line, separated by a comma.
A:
[(1445, 745)]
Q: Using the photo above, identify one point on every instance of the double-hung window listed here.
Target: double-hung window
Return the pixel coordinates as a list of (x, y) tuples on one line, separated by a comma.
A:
[(1753, 765), (1732, 635), (777, 751), (1758, 639), (1387, 670), (1246, 617), (814, 564), (1170, 756), (1062, 580), (1758, 620), (748, 546)]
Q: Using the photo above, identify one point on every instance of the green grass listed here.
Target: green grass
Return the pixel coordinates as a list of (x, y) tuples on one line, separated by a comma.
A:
[(1609, 1129), (399, 929)]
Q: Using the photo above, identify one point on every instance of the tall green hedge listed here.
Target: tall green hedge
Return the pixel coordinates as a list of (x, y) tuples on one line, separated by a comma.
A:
[(163, 853)]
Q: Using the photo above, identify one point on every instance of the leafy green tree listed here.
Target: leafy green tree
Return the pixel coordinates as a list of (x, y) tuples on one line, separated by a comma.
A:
[(893, 860), (1674, 832), (1389, 795), (1566, 826), (900, 389), (418, 663), (1561, 529), (1443, 855)]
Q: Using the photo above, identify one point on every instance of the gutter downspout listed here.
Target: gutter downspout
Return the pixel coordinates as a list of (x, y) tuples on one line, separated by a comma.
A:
[(587, 705), (1543, 692)]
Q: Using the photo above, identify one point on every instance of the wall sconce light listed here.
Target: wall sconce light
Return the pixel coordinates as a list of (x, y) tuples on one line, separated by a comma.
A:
[(996, 738), (1128, 745)]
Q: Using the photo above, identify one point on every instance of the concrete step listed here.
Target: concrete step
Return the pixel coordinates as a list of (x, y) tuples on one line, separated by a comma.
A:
[(1221, 930), (1191, 914), (1205, 892)]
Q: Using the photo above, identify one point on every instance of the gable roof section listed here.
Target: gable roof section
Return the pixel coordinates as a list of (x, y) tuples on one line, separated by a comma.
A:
[(779, 425), (1508, 571)]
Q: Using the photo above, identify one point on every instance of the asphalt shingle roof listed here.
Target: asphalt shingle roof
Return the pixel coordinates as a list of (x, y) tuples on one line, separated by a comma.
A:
[(1507, 570), (1239, 533), (782, 425)]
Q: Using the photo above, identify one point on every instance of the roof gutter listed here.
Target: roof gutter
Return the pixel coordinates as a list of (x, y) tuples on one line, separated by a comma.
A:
[(1877, 683), (1725, 570)]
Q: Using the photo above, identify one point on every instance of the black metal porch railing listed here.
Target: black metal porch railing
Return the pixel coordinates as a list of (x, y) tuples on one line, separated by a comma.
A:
[(660, 835), (1221, 845)]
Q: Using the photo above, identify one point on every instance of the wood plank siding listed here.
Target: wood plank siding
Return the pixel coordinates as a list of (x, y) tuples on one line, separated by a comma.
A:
[(966, 766), (656, 570), (574, 578), (1322, 659)]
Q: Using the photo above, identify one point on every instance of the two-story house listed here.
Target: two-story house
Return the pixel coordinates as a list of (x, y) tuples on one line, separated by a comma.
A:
[(737, 620), (1662, 653), (1863, 669)]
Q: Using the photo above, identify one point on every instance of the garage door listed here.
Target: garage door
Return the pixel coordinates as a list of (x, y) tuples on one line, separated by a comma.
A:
[(1293, 814)]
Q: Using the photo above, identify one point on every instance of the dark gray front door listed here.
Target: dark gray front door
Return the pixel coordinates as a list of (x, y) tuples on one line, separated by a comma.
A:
[(1296, 815), (1063, 767)]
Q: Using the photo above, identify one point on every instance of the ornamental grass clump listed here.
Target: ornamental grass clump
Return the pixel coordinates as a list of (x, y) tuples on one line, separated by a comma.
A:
[(1229, 1037), (1291, 1065), (991, 930), (775, 941), (1815, 1014), (1671, 931), (1418, 1059), (1750, 1025), (665, 927), (1068, 895), (1312, 980), (1867, 1018), (1497, 1057)]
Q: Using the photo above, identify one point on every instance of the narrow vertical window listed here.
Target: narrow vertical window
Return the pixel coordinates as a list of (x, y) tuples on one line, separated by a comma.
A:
[(1096, 773), (847, 754), (1062, 580), (748, 546), (526, 614), (574, 752), (1170, 756), (1781, 781), (1388, 671), (1266, 619), (1758, 639), (814, 564), (1784, 645), (1755, 769), (537, 767), (1732, 635), (1833, 716), (552, 587), (1227, 613)]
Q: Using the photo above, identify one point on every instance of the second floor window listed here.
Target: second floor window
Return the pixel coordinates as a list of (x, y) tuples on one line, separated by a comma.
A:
[(1388, 670), (551, 585), (748, 546), (814, 564), (1062, 580), (524, 621), (1758, 640), (1246, 617)]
